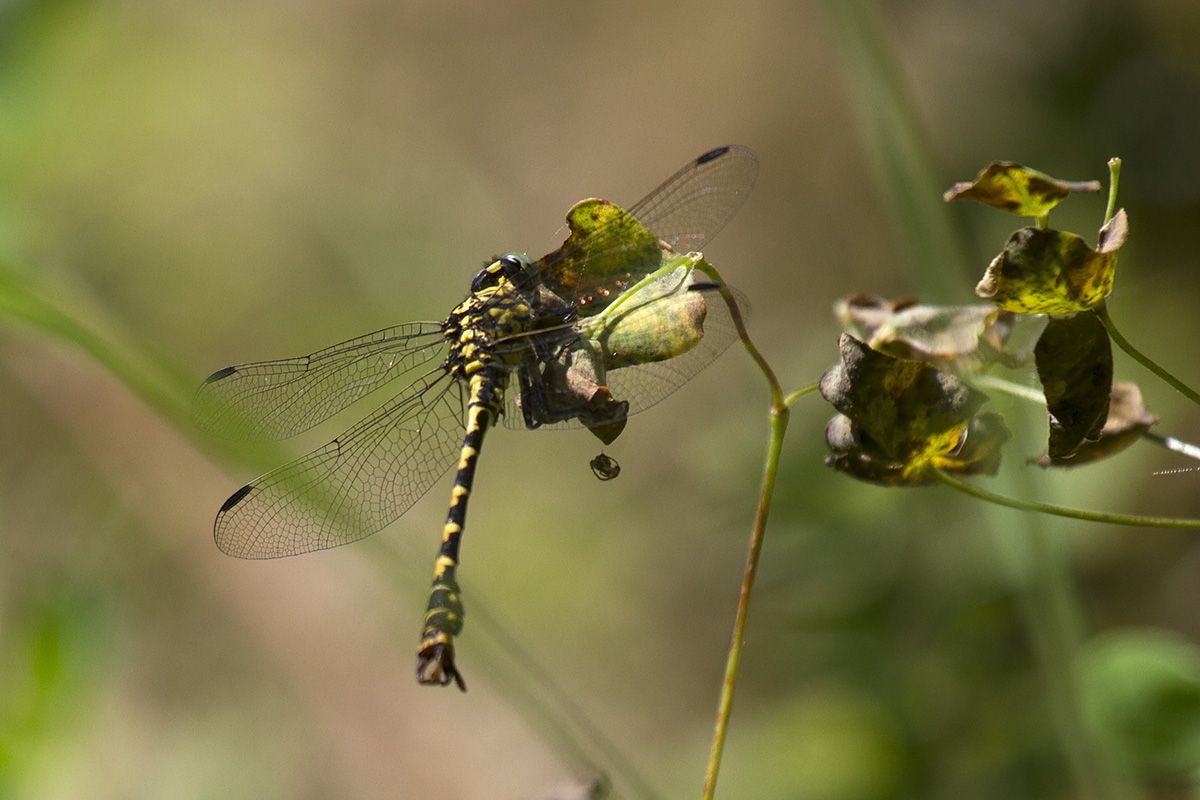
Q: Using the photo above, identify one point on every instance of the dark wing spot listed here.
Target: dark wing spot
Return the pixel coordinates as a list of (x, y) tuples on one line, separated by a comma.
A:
[(236, 498), (220, 375), (712, 154)]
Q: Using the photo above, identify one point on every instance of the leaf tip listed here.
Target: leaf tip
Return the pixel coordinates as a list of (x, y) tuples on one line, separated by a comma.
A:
[(1114, 233)]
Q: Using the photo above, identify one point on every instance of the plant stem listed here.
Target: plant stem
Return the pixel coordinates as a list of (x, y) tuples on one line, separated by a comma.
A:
[(1060, 511), (1114, 177), (1174, 445), (796, 395), (1176, 384), (779, 419), (991, 382)]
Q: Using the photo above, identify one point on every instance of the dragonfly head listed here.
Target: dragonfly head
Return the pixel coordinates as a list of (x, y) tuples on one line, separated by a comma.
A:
[(510, 266)]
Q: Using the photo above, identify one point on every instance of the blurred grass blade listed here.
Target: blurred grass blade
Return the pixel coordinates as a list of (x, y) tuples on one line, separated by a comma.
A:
[(165, 388), (898, 151)]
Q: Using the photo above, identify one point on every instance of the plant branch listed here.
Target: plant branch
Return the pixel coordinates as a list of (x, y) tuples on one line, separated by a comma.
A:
[(779, 421), (796, 395), (1060, 511), (1137, 355)]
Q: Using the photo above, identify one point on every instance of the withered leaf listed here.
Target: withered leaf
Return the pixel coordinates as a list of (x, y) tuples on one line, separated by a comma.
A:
[(1016, 189), (1114, 233), (909, 410), (1074, 364), (969, 335), (855, 453), (1128, 419)]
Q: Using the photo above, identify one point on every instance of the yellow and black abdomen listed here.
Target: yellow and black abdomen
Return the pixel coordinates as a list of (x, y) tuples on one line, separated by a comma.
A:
[(489, 314)]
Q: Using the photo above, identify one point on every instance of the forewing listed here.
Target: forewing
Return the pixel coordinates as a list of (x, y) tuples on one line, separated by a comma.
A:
[(279, 399), (694, 204), (352, 487)]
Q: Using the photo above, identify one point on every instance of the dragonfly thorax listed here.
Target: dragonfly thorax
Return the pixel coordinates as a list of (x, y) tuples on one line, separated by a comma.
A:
[(489, 314)]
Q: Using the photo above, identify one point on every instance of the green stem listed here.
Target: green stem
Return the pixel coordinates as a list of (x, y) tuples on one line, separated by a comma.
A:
[(161, 386), (1174, 445), (779, 420), (1114, 177), (1176, 384), (991, 382), (1060, 511), (796, 395)]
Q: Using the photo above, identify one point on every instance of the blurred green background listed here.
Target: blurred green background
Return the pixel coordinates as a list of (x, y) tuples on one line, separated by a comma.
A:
[(198, 184)]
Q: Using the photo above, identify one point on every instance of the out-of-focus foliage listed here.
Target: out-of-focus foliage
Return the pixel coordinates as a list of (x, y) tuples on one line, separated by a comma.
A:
[(1142, 693), (959, 338)]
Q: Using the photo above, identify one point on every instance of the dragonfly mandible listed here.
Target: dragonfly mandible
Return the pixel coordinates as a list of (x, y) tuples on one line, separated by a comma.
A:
[(603, 327)]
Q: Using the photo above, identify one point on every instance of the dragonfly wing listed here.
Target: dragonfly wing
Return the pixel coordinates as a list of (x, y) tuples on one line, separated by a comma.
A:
[(352, 487), (279, 399), (694, 204)]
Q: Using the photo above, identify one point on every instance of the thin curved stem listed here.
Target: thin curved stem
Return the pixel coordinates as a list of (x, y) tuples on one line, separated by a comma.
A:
[(779, 419), (1174, 445), (796, 395), (1137, 355), (1060, 511)]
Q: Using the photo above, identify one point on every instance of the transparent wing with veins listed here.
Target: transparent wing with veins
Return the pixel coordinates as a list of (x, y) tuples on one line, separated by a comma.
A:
[(354, 486), (279, 399)]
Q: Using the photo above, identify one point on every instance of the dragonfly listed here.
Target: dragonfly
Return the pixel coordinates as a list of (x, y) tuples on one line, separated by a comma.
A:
[(607, 325)]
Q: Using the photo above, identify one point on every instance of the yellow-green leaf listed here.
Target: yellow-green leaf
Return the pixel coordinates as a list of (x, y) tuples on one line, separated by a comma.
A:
[(607, 248), (1044, 271), (1016, 189), (977, 452)]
